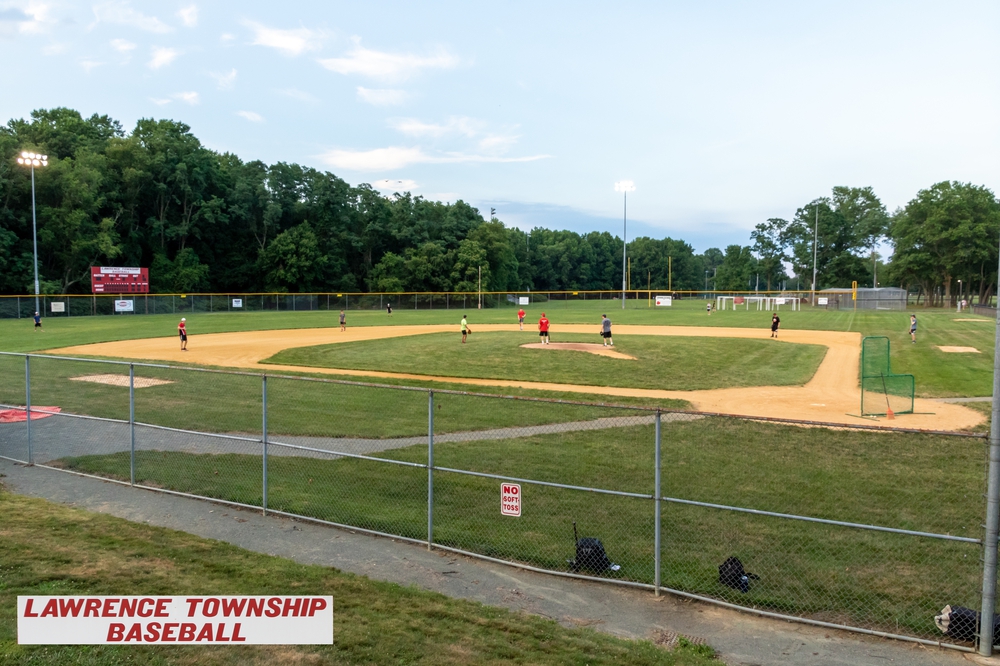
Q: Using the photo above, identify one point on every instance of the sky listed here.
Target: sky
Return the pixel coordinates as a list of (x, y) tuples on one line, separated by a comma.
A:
[(723, 114)]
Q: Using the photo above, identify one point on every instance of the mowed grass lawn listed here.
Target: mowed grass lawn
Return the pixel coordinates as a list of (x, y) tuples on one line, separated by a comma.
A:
[(50, 549), (662, 362), (886, 581)]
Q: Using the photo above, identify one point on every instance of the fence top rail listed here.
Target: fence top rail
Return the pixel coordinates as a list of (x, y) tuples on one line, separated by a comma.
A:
[(500, 396)]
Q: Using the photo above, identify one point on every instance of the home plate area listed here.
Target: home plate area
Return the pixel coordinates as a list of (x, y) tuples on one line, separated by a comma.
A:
[(600, 350)]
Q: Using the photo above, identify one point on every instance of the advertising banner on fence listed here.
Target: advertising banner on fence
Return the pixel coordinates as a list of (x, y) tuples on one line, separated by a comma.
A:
[(237, 302), (58, 307), (104, 620), (124, 306), (665, 301)]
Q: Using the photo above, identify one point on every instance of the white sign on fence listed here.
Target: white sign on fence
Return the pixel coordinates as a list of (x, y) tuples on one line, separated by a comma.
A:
[(58, 307), (779, 301), (522, 300), (666, 301), (124, 306), (237, 302), (822, 301), (510, 499), (85, 620)]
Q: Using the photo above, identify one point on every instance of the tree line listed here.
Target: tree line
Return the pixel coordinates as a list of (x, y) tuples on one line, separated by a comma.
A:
[(208, 221)]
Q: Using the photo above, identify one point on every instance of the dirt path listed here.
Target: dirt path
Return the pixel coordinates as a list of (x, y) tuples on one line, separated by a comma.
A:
[(831, 395)]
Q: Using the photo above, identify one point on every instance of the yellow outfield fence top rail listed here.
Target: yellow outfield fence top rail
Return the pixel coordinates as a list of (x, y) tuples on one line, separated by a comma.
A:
[(540, 292)]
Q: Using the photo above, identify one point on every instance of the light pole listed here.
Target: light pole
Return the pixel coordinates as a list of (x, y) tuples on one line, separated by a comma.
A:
[(624, 186), (33, 160), (815, 241)]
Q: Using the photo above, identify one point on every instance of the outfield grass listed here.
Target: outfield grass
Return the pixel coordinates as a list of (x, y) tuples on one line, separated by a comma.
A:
[(938, 374), (676, 363), (869, 579), (50, 549)]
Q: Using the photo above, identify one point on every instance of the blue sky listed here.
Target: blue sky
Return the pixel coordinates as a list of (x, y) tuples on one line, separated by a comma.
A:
[(722, 113)]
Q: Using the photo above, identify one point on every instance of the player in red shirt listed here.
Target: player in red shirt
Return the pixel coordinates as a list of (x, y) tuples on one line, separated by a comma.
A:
[(520, 318), (182, 331), (543, 329)]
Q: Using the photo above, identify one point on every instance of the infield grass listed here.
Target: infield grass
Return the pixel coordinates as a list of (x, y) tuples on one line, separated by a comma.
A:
[(871, 579), (661, 362), (938, 374), (49, 549)]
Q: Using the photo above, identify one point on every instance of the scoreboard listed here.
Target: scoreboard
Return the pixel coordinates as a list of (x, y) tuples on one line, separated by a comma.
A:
[(113, 280)]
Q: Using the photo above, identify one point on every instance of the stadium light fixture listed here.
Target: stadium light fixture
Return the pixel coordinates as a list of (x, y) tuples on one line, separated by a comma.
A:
[(624, 186), (32, 160)]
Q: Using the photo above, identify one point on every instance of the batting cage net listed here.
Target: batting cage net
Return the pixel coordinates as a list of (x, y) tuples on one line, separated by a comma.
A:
[(881, 390)]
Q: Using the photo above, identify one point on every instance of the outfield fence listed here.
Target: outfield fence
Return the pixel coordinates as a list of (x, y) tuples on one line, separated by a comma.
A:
[(80, 305), (861, 527)]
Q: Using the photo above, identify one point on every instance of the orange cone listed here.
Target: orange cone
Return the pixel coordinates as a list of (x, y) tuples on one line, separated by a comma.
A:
[(889, 414)]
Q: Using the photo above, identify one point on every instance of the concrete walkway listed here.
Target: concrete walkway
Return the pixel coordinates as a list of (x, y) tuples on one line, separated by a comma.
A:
[(741, 638)]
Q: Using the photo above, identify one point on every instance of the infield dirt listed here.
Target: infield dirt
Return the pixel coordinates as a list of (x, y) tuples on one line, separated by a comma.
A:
[(831, 395)]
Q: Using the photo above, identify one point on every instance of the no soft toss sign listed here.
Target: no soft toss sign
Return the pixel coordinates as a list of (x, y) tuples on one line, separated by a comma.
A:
[(510, 499), (78, 620)]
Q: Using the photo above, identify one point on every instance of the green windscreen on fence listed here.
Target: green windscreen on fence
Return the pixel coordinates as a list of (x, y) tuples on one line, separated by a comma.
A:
[(880, 388)]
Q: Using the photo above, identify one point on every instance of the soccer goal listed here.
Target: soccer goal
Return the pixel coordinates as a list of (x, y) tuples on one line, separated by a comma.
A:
[(881, 390)]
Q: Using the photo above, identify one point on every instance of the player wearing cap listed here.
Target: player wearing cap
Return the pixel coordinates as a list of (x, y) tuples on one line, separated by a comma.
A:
[(543, 329), (38, 322), (520, 318), (182, 331)]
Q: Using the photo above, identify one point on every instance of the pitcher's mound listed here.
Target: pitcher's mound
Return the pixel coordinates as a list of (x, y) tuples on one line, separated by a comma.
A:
[(600, 350)]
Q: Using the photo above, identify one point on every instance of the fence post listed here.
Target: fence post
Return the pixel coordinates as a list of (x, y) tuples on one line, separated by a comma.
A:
[(430, 469), (131, 422), (656, 510), (992, 513), (27, 402), (263, 429)]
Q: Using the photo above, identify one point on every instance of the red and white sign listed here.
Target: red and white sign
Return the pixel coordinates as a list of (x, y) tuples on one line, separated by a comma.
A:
[(78, 620), (664, 301), (510, 499)]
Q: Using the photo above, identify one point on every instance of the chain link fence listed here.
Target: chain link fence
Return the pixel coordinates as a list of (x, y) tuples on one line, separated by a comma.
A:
[(866, 528)]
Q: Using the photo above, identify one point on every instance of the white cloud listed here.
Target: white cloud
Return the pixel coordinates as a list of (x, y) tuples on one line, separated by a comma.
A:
[(251, 116), (122, 45), (387, 185), (189, 16), (90, 64), (190, 97), (32, 18), (397, 157), (159, 101), (163, 56), (121, 13), (387, 66), (382, 96), (55, 49), (290, 42), (224, 81), (227, 37), (295, 93), (455, 125), (497, 143)]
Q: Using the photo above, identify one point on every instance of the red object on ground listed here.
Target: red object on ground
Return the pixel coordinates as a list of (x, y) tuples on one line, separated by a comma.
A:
[(19, 415)]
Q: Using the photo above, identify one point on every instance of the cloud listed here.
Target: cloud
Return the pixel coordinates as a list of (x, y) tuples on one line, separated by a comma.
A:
[(382, 96), (290, 42), (295, 93), (159, 101), (34, 18), (122, 45), (227, 37), (251, 116), (189, 97), (387, 66), (395, 185), (162, 56), (455, 125), (224, 81), (189, 16), (397, 157), (121, 13), (90, 64), (55, 49)]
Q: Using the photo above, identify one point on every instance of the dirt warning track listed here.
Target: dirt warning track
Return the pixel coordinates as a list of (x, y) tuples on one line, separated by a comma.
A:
[(832, 395)]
